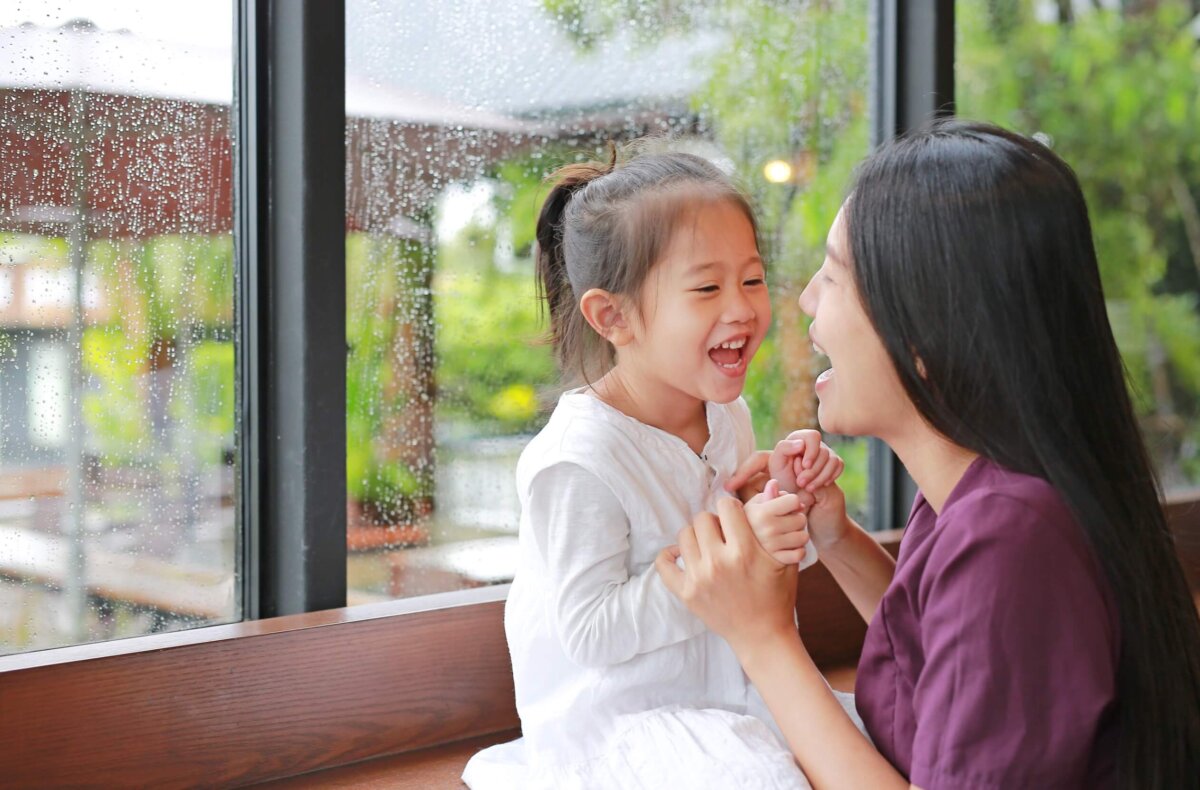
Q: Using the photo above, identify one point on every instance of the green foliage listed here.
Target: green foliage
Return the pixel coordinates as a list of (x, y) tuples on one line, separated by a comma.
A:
[(113, 410), (1116, 93), (491, 361), (177, 288)]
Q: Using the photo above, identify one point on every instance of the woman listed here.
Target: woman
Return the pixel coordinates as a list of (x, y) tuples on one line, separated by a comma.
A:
[(1036, 630)]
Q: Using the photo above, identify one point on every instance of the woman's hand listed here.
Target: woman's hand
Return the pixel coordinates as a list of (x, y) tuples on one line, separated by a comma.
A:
[(827, 518), (729, 580)]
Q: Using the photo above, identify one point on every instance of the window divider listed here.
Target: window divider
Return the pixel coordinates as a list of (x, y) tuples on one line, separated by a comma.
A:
[(291, 244), (912, 53)]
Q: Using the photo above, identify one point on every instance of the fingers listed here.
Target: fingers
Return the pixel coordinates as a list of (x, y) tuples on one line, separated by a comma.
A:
[(790, 556), (733, 526), (671, 574), (810, 441), (811, 465), (781, 457), (828, 474), (755, 464), (781, 505), (786, 532), (772, 489), (785, 541), (689, 547), (827, 468)]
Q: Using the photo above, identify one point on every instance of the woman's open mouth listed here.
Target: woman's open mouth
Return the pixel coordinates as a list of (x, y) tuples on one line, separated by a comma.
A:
[(826, 374), (730, 356)]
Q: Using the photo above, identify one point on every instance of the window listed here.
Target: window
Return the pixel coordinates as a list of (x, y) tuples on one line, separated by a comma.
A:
[(456, 111), (1112, 88), (116, 321)]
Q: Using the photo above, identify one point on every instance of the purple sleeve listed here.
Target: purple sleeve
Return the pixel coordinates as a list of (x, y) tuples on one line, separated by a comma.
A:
[(1019, 650)]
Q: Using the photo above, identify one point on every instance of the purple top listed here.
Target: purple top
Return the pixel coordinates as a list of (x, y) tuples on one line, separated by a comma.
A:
[(992, 659)]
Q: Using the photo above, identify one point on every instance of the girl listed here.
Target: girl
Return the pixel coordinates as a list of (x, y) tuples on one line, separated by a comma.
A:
[(1036, 630), (656, 293)]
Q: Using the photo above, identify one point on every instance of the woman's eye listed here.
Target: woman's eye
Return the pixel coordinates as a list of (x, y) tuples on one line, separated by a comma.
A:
[(706, 289), (756, 281)]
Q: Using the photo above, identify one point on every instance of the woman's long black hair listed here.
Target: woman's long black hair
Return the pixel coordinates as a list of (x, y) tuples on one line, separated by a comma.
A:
[(969, 226)]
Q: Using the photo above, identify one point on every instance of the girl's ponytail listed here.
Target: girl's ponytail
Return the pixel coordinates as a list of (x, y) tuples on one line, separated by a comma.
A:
[(567, 325)]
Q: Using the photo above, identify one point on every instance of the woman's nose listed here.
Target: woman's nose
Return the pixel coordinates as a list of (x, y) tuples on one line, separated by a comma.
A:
[(808, 299)]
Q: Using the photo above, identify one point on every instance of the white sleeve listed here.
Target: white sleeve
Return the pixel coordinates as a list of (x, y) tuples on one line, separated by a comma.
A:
[(603, 614)]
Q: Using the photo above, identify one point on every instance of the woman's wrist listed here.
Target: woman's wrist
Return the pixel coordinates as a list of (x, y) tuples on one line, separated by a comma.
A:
[(843, 540), (757, 653)]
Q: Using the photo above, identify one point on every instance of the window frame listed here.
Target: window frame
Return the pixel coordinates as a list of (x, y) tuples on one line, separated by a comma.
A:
[(290, 201)]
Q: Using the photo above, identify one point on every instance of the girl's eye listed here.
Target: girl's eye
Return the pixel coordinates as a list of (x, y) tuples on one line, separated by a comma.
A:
[(755, 281), (706, 289)]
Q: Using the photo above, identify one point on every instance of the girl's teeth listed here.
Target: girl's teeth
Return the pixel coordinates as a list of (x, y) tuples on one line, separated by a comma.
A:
[(733, 343)]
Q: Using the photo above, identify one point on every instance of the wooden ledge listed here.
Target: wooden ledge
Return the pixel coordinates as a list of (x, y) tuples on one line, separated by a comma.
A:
[(442, 766), (425, 769)]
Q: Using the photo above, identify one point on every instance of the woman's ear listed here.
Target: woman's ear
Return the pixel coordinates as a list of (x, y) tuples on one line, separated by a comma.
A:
[(921, 369), (605, 313)]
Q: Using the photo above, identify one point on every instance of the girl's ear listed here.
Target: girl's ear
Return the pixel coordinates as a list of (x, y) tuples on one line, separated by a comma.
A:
[(605, 313)]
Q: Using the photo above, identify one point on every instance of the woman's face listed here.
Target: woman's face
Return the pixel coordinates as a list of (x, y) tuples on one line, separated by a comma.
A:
[(861, 393)]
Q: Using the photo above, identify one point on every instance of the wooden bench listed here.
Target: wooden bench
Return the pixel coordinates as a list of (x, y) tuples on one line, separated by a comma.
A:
[(441, 766)]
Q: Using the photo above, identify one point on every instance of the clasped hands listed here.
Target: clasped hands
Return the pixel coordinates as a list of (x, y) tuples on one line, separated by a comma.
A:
[(781, 487), (740, 565)]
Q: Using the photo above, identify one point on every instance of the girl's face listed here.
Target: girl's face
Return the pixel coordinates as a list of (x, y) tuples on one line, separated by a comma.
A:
[(704, 309), (861, 393)]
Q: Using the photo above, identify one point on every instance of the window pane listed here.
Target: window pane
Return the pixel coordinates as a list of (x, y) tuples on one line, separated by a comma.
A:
[(116, 321), (1114, 90), (456, 112)]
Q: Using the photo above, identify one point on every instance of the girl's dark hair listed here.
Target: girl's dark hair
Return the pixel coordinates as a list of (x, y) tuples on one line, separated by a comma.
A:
[(605, 225), (971, 226)]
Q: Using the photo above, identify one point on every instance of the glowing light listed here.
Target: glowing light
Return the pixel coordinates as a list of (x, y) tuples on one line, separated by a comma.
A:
[(777, 171)]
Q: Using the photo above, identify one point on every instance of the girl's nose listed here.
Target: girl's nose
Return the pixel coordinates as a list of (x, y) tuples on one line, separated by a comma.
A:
[(739, 309)]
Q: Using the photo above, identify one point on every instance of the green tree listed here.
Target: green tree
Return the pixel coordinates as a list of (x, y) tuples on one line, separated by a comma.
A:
[(1115, 93)]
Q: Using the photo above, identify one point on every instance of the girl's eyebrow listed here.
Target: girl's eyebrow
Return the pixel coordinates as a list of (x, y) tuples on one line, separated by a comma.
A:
[(697, 268)]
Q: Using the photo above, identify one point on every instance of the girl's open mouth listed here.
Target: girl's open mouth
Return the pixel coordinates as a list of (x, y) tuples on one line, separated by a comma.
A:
[(730, 356)]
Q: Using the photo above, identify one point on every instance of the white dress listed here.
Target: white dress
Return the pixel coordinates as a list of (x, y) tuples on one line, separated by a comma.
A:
[(617, 683)]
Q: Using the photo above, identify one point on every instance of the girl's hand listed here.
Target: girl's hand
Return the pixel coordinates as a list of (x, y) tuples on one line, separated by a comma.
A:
[(803, 462), (779, 522), (729, 580), (751, 477)]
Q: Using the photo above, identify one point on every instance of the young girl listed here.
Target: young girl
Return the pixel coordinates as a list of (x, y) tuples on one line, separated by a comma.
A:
[(657, 298)]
